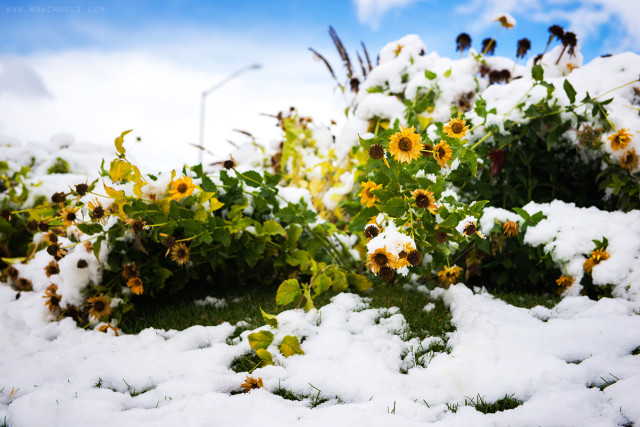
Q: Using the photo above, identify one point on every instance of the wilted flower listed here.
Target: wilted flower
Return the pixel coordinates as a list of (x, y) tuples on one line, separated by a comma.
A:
[(82, 263), (180, 254), (448, 275), (58, 197), (376, 152), (414, 257), (629, 160), (135, 284), (596, 257), (69, 216), (371, 231), (507, 21), (510, 228), (100, 306), (52, 268), (229, 164), (463, 42), (82, 189), (251, 383), (386, 273), (53, 299), (564, 282), (381, 258), (523, 47), (620, 139), (489, 46)]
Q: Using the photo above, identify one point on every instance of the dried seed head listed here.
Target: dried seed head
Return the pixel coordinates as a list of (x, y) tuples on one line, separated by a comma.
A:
[(82, 263), (556, 31), (371, 231), (58, 197), (489, 46), (43, 226), (414, 257), (441, 236), (82, 189), (386, 273), (463, 42), (32, 225), (169, 241), (376, 152), (229, 164), (523, 47), (571, 40)]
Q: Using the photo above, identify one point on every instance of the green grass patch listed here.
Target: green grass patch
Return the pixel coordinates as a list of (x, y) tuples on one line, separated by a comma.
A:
[(526, 300), (479, 404)]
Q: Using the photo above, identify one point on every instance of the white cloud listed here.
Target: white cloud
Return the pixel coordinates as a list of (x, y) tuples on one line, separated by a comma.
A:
[(586, 18), (96, 95), (370, 12)]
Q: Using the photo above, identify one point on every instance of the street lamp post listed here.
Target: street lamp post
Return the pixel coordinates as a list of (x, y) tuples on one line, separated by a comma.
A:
[(213, 88)]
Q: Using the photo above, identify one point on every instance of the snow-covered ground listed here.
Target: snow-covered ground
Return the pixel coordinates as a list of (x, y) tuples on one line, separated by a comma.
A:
[(553, 360)]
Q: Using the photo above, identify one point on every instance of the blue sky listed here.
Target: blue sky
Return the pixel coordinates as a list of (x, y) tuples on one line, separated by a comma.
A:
[(112, 25), (95, 68)]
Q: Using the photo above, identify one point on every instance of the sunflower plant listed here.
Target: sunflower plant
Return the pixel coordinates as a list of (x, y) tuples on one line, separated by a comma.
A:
[(410, 215)]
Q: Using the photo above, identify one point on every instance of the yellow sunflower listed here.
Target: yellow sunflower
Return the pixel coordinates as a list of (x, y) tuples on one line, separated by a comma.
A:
[(366, 198), (405, 146), (510, 228), (181, 187), (629, 160), (135, 284), (448, 275), (100, 306), (425, 200), (596, 257), (442, 153), (456, 128), (564, 282), (620, 139), (180, 253), (69, 216), (381, 258)]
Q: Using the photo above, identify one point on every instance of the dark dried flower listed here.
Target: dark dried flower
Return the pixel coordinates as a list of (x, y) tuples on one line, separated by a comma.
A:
[(229, 164), (355, 84), (24, 284), (386, 273), (169, 241), (82, 263), (82, 189), (414, 257), (441, 236), (11, 272), (371, 231), (52, 268), (556, 31), (58, 197), (32, 225), (489, 46), (43, 226), (523, 47), (376, 152), (463, 42), (571, 40), (537, 59), (129, 271), (494, 77)]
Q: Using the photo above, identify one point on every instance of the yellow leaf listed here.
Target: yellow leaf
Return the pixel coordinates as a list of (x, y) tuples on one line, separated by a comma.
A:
[(165, 204), (290, 346), (118, 197), (120, 169), (265, 356), (260, 339), (200, 214), (120, 140)]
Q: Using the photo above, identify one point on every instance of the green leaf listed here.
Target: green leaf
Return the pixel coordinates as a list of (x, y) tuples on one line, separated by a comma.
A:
[(569, 90), (339, 282), (524, 214), (89, 228), (290, 346), (269, 319), (260, 339), (208, 185), (394, 207), (321, 284), (359, 282), (96, 247), (271, 227), (252, 178), (452, 220), (537, 73), (430, 74), (265, 356), (288, 292), (471, 159), (298, 258), (447, 73), (293, 234)]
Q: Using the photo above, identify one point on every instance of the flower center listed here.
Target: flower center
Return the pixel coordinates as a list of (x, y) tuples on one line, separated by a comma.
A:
[(380, 259), (98, 306), (470, 229), (182, 188), (404, 144), (54, 301), (457, 127), (368, 193), (441, 152), (181, 253), (422, 201), (71, 216)]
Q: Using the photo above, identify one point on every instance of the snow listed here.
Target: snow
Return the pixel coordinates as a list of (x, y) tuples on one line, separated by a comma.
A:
[(549, 359)]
